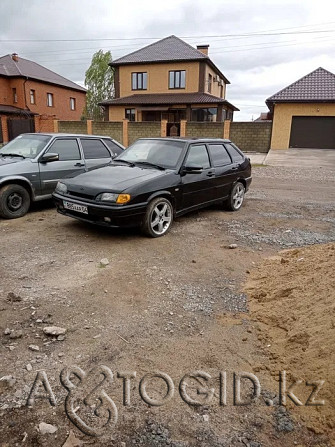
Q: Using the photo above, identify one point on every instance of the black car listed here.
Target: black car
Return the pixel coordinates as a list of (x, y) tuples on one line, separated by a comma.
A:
[(155, 180)]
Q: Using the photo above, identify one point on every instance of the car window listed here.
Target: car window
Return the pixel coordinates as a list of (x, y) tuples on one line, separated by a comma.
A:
[(219, 155), (113, 146), (198, 156), (27, 145), (234, 153), (94, 148), (67, 149)]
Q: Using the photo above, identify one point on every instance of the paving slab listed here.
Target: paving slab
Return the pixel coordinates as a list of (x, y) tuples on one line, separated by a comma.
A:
[(309, 158)]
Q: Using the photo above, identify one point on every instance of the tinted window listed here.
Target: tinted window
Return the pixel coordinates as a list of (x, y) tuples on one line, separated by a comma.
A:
[(198, 156), (94, 148), (113, 146), (234, 153), (219, 155), (26, 145), (66, 149)]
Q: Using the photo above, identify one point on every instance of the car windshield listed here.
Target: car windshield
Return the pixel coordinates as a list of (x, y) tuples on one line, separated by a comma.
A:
[(153, 152), (27, 146)]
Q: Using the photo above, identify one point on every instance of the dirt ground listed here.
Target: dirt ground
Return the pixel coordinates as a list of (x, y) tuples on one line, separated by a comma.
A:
[(175, 305)]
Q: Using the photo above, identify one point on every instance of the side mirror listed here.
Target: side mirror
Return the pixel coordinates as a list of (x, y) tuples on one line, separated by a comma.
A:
[(48, 157), (192, 169)]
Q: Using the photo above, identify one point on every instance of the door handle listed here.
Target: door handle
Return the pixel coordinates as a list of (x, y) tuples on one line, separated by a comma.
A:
[(80, 164), (210, 174), (234, 168)]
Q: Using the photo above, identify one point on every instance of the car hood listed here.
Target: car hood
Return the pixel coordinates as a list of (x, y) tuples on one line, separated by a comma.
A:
[(112, 178), (10, 160)]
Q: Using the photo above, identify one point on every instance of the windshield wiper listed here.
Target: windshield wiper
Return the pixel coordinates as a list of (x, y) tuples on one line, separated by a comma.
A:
[(12, 155), (130, 163), (147, 163)]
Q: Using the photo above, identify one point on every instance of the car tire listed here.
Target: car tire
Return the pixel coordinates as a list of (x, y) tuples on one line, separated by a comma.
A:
[(236, 197), (14, 201), (158, 217)]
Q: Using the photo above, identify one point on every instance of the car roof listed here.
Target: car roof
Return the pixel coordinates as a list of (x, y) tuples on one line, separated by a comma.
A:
[(190, 139), (58, 134)]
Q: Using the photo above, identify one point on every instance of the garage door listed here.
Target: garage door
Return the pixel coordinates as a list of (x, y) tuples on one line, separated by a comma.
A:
[(316, 132)]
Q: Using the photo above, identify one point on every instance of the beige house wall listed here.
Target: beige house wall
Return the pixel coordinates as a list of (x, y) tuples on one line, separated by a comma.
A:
[(216, 89), (282, 119), (158, 77)]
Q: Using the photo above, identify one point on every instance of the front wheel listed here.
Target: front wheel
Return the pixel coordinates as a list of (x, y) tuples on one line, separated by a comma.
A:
[(236, 197), (14, 201), (158, 217)]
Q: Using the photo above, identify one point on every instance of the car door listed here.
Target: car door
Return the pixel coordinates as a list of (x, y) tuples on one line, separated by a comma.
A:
[(197, 188), (224, 169), (70, 163), (237, 160), (95, 152)]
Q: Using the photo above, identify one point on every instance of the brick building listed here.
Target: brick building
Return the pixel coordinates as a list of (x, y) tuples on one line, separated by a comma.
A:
[(31, 97)]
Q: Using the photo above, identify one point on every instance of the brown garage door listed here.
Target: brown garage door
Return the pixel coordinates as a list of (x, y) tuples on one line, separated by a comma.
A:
[(316, 132)]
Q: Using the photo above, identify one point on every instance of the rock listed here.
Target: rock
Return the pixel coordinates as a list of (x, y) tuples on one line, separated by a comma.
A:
[(6, 382), (206, 417), (232, 246), (34, 348), (16, 334), (7, 331), (104, 262), (54, 330), (46, 429), (61, 338), (13, 298), (72, 441), (29, 367)]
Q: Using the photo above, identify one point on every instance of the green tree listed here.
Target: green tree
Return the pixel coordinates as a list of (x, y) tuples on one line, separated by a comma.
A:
[(99, 81)]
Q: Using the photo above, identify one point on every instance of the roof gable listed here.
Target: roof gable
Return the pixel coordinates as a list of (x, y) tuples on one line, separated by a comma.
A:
[(30, 69), (168, 49), (319, 85)]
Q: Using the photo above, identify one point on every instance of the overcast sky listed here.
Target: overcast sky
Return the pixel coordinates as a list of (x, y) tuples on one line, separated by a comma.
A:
[(297, 36)]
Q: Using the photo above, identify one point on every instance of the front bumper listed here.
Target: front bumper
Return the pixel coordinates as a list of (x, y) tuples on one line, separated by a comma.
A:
[(114, 216)]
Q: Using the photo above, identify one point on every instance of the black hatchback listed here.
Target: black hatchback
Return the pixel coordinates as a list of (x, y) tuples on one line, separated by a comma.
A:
[(156, 180)]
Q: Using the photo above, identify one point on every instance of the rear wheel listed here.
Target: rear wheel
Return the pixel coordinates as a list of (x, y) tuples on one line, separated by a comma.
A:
[(14, 201), (236, 198), (158, 217)]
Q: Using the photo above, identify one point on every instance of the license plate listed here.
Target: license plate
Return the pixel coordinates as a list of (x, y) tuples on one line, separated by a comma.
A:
[(74, 207)]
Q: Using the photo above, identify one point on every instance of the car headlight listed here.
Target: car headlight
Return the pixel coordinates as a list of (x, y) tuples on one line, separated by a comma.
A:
[(115, 198), (61, 188)]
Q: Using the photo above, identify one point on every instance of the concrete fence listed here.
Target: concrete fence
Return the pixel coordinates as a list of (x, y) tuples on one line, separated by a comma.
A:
[(249, 136)]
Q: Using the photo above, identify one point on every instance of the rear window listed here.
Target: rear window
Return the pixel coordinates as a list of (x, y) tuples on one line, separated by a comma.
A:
[(236, 156), (219, 155), (94, 149), (113, 146)]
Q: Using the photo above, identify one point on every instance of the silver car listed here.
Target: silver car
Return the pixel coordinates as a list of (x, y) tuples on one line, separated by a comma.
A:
[(33, 163)]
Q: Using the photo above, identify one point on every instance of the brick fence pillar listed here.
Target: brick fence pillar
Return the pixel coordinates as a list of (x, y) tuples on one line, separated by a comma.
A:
[(125, 138), (37, 123), (56, 126), (183, 124), (89, 127), (164, 128), (4, 129), (226, 129)]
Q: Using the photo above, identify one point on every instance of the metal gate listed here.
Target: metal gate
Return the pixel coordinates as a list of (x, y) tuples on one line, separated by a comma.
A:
[(316, 132), (173, 129), (16, 126)]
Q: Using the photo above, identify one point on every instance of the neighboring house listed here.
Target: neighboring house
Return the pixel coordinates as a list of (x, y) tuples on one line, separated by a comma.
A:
[(168, 80), (27, 89), (304, 113)]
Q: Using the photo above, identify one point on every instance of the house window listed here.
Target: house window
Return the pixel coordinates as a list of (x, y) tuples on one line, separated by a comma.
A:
[(50, 100), (130, 114), (32, 97), (139, 81), (14, 95), (209, 114), (210, 81), (73, 103), (177, 79)]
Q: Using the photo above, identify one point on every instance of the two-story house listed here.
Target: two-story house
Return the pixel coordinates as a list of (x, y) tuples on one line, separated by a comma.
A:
[(168, 80), (28, 89)]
